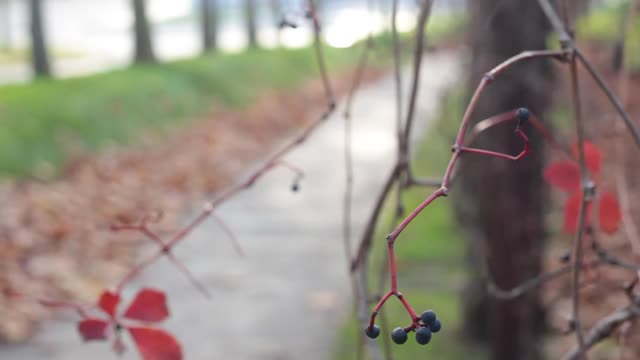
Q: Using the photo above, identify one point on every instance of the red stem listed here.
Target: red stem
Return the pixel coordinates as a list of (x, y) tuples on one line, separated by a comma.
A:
[(392, 268), (412, 313), (458, 149)]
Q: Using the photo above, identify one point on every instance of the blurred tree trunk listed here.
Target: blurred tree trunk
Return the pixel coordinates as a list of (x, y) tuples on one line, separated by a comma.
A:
[(5, 11), (143, 43), (209, 12), (501, 202), (39, 55), (250, 18), (276, 13)]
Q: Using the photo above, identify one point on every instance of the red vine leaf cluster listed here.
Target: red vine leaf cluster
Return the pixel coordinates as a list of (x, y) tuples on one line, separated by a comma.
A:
[(565, 175), (148, 307)]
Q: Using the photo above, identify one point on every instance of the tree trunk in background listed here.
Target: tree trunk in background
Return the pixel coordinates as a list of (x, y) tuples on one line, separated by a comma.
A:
[(276, 13), (5, 21), (143, 44), (499, 201), (39, 56), (209, 13), (250, 18)]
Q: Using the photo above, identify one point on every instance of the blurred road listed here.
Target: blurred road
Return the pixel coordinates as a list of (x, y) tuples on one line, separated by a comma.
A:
[(289, 296)]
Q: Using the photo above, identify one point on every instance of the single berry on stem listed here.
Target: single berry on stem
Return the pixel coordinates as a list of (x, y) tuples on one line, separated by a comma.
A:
[(399, 336), (435, 326), (428, 317), (372, 332), (423, 336), (522, 115)]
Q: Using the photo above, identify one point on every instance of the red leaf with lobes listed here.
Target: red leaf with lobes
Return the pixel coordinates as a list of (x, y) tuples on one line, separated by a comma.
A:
[(592, 156), (93, 329), (149, 305), (564, 175), (109, 302), (609, 213), (155, 344), (572, 212)]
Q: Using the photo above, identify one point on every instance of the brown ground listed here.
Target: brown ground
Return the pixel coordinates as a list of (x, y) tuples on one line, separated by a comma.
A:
[(54, 236), (603, 288)]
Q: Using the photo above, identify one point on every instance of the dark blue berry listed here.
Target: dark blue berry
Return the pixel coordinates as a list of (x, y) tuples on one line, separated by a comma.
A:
[(423, 336), (436, 326), (428, 317), (372, 332), (399, 336), (295, 187), (523, 115)]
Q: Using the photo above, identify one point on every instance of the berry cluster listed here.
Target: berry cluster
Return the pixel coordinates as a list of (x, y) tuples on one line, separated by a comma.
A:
[(426, 325)]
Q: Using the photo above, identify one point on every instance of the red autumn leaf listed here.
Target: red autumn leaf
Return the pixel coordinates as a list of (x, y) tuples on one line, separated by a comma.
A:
[(592, 156), (93, 329), (149, 305), (564, 175), (609, 213), (155, 344), (572, 211), (109, 302)]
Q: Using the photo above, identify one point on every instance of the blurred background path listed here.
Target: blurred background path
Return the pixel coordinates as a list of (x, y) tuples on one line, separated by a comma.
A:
[(288, 298)]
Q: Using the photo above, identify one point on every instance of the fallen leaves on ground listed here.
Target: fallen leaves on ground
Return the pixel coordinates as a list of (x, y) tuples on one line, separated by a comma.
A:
[(55, 240)]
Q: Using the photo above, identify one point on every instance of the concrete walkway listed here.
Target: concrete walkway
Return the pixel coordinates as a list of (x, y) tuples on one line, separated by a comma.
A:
[(288, 297)]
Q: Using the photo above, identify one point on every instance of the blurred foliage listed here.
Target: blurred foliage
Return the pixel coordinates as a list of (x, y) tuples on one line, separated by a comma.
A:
[(604, 24), (444, 28), (441, 29), (430, 255), (39, 118)]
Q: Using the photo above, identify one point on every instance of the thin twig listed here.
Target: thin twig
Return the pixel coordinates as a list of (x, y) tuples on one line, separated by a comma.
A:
[(397, 73), (587, 193), (567, 43), (274, 160), (458, 149), (367, 236), (526, 286), (423, 18), (602, 84), (631, 230), (604, 329)]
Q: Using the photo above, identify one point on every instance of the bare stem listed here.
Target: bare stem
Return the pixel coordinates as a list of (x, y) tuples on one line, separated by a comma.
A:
[(586, 199), (423, 17)]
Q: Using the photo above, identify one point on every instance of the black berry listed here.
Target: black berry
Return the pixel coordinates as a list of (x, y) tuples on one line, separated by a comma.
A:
[(522, 115), (295, 187), (428, 317), (399, 336), (372, 332), (435, 326), (423, 336)]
